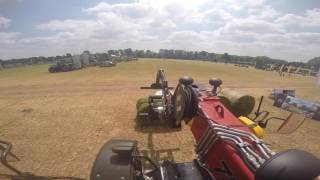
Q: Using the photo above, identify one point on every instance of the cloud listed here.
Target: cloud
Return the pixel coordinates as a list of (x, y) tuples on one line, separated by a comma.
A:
[(4, 22), (249, 27), (66, 25), (185, 39), (263, 12), (252, 26), (311, 18), (8, 37)]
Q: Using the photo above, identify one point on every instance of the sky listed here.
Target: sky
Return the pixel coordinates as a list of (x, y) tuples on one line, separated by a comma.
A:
[(282, 29)]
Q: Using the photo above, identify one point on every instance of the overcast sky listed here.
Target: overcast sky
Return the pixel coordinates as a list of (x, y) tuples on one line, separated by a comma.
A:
[(285, 29)]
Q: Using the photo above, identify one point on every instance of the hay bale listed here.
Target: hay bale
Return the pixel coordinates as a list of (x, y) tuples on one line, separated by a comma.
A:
[(143, 104), (226, 102), (241, 104), (141, 101), (244, 106), (143, 108)]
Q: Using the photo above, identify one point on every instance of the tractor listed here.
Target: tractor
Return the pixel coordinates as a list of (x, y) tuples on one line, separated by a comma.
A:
[(61, 67), (158, 106), (227, 147), (108, 63)]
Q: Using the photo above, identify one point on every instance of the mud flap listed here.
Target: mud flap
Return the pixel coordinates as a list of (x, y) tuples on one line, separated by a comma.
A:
[(112, 165)]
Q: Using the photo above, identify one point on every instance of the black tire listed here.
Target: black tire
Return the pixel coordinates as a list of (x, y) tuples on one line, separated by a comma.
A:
[(51, 70), (179, 106), (64, 68), (185, 100), (192, 103), (173, 123), (110, 165)]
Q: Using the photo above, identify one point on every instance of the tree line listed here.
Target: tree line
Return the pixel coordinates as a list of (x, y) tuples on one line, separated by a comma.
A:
[(313, 63)]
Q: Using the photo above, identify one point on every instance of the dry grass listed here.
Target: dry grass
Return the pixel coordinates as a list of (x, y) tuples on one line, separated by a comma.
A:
[(58, 122)]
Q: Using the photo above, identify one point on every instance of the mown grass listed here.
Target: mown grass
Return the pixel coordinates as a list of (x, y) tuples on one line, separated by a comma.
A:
[(143, 69)]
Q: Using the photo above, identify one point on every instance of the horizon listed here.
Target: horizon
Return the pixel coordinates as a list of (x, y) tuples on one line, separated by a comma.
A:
[(286, 29), (157, 52)]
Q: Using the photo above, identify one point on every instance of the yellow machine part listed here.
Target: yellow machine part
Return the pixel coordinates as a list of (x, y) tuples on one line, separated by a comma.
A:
[(255, 128)]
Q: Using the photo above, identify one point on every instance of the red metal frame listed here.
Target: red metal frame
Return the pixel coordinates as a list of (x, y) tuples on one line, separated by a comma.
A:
[(222, 159)]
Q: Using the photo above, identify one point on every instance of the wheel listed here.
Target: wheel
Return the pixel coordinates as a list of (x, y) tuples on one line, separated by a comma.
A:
[(64, 68), (114, 161), (185, 104), (179, 106), (191, 104), (51, 70)]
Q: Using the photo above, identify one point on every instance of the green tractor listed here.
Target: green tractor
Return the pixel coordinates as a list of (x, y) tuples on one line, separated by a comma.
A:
[(61, 67)]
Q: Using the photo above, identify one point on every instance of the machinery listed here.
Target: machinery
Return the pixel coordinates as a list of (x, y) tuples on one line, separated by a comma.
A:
[(166, 105), (287, 100), (5, 151), (61, 67), (226, 147), (108, 63), (109, 60), (160, 106)]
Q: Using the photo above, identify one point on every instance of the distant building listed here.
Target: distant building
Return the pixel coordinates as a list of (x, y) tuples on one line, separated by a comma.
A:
[(76, 60), (102, 57), (85, 58)]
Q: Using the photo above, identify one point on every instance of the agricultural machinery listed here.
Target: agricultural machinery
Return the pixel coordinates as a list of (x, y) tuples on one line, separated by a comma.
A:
[(227, 147), (158, 106), (61, 67), (5, 152), (108, 63), (286, 99)]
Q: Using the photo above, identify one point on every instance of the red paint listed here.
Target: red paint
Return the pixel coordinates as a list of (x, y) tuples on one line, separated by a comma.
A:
[(221, 151)]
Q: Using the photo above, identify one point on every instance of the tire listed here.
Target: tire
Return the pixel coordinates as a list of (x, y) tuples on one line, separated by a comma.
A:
[(51, 70), (64, 68), (173, 123), (179, 106), (185, 104)]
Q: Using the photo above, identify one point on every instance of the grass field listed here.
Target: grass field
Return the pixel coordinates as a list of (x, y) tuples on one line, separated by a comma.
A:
[(58, 122)]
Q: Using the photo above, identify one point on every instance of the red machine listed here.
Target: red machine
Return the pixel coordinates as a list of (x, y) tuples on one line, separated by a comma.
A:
[(223, 142), (226, 148)]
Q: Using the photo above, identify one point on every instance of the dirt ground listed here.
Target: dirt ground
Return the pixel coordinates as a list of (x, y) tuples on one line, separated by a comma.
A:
[(58, 122)]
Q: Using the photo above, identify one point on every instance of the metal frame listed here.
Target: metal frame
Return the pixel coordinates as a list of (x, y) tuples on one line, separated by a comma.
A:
[(239, 139), (7, 147), (166, 97)]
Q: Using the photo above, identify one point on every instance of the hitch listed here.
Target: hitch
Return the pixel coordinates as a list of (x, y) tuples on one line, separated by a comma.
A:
[(6, 148), (289, 125), (161, 82)]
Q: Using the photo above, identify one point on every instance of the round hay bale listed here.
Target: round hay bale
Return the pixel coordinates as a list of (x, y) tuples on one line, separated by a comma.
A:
[(141, 101), (143, 108), (241, 104), (244, 106), (226, 102)]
